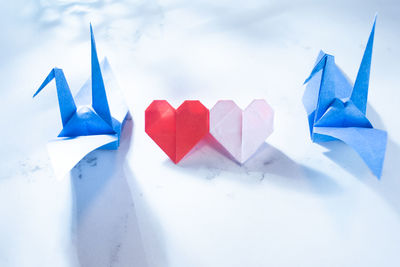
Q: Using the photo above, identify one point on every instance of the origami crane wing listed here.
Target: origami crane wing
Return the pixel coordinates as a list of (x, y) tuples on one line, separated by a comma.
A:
[(369, 143), (66, 152)]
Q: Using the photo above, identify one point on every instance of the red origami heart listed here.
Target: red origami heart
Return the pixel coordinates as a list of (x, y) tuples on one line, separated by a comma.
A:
[(176, 132)]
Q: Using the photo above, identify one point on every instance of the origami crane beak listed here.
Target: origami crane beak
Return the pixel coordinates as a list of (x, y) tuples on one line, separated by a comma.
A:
[(46, 81)]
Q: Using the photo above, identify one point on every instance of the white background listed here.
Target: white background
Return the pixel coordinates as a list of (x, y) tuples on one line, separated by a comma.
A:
[(295, 203)]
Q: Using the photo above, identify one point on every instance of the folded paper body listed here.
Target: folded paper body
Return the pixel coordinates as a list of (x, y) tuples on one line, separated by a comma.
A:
[(176, 132), (239, 132), (337, 110), (86, 126)]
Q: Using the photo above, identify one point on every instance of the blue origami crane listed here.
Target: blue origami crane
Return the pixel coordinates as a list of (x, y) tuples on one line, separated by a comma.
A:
[(337, 110), (86, 127)]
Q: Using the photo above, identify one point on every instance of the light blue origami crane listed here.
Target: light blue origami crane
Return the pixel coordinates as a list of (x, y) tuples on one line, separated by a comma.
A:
[(86, 127), (337, 110)]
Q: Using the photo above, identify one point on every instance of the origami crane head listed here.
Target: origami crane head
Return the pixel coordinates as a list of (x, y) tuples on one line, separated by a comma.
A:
[(85, 120), (337, 110)]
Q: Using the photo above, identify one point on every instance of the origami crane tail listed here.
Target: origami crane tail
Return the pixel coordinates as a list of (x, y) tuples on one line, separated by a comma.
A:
[(369, 143), (65, 99), (99, 97), (360, 91)]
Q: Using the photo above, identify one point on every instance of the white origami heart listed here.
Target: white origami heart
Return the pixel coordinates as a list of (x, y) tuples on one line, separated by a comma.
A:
[(241, 133)]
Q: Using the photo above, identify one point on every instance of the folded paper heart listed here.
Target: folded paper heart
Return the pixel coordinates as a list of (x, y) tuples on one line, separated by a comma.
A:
[(176, 132), (241, 133)]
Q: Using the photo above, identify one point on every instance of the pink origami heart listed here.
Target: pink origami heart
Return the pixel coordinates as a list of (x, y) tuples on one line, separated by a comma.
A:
[(241, 133)]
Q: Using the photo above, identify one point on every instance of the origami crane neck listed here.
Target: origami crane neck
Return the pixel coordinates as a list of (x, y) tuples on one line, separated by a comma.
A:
[(65, 99), (99, 97), (327, 86), (360, 90)]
